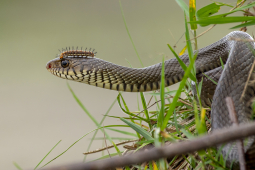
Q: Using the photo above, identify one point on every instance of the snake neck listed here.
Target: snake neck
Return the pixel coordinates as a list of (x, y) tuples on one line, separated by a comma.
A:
[(100, 73)]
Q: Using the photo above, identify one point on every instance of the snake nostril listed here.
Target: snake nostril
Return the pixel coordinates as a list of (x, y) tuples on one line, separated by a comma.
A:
[(48, 66)]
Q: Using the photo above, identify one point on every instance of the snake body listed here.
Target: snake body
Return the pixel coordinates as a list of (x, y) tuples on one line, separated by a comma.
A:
[(235, 50)]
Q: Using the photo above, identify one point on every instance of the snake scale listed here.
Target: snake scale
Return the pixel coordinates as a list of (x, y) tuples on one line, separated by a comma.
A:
[(235, 50)]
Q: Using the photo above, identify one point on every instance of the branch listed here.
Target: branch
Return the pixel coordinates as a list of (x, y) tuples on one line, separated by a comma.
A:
[(213, 139), (239, 143)]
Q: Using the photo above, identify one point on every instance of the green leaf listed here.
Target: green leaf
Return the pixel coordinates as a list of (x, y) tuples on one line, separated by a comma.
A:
[(207, 11), (223, 20), (192, 13), (138, 129), (183, 6)]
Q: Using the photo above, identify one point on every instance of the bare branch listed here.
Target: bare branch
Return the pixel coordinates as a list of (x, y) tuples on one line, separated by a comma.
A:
[(213, 139), (239, 143)]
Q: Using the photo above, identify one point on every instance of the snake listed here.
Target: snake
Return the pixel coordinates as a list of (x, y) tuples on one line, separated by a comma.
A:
[(235, 80)]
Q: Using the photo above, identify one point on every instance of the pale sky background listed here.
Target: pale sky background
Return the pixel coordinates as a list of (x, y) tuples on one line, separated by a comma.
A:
[(37, 109)]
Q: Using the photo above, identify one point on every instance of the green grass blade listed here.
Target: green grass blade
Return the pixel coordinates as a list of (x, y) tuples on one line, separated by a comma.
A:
[(183, 6), (162, 96), (123, 132), (222, 64), (127, 112), (130, 34), (145, 109), (17, 166), (190, 69), (108, 156), (244, 25), (223, 20), (188, 134), (94, 135), (116, 138), (91, 117), (83, 107), (178, 93), (210, 79), (189, 47), (47, 154), (69, 147), (184, 67), (138, 129), (252, 4)]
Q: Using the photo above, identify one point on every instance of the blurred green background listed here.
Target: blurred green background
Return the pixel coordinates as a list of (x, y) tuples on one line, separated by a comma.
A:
[(37, 109)]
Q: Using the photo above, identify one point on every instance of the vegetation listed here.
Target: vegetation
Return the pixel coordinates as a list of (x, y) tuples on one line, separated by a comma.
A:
[(174, 118)]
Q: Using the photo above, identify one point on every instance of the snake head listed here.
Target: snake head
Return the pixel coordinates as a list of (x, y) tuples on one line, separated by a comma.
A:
[(71, 67), (71, 64)]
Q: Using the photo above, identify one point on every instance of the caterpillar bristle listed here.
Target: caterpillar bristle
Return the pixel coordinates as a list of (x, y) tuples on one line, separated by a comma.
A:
[(76, 53)]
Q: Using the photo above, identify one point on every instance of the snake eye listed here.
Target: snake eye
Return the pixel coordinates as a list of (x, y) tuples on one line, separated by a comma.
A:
[(64, 63)]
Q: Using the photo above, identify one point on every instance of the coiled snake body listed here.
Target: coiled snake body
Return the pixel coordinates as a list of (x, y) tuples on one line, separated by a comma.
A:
[(235, 50)]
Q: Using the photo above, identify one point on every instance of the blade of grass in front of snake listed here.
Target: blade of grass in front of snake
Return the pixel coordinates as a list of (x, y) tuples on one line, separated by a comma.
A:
[(222, 64), (184, 79), (184, 67), (145, 109), (210, 79), (127, 111), (162, 96), (178, 93)]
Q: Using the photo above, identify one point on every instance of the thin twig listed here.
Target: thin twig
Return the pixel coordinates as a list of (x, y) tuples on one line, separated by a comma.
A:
[(247, 82), (106, 144), (213, 139), (239, 143), (110, 146)]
